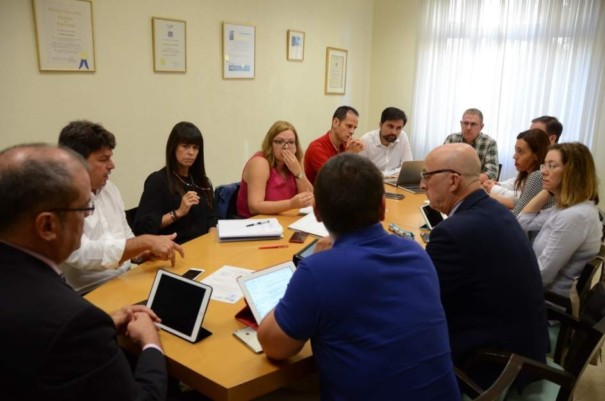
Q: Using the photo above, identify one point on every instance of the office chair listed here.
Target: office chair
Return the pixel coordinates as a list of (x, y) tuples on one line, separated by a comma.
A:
[(226, 196), (558, 381)]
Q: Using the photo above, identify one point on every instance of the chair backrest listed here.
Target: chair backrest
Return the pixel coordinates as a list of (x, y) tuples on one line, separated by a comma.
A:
[(587, 336), (498, 390), (130, 214), (226, 198)]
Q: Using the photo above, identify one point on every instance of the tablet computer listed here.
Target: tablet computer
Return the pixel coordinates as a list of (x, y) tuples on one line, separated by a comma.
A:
[(264, 288), (305, 252), (431, 216), (181, 304)]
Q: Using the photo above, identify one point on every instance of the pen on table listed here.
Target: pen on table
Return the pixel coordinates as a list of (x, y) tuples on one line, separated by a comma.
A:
[(272, 246), (257, 223)]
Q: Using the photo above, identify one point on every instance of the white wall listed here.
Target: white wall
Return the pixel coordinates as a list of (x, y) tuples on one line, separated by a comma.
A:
[(140, 106)]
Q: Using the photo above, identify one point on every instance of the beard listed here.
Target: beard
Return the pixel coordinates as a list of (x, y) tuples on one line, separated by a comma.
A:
[(390, 138)]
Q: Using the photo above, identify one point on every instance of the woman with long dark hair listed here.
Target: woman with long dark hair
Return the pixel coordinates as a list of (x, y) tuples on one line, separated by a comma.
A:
[(179, 197)]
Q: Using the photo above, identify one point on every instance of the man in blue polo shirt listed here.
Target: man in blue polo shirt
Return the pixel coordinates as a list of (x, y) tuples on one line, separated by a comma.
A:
[(370, 305)]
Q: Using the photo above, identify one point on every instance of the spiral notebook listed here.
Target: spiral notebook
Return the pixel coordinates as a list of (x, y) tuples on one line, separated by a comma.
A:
[(249, 230)]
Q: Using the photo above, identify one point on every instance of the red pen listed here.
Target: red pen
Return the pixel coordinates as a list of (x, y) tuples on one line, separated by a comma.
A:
[(272, 246)]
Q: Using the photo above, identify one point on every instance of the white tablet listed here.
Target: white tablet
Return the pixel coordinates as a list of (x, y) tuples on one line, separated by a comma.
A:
[(264, 288), (181, 303), (431, 216)]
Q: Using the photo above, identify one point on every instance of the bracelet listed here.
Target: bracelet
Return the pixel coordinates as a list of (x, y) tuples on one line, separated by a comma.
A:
[(299, 176), (173, 216)]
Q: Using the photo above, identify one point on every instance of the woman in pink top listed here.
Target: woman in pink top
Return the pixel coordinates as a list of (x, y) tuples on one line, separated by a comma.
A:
[(273, 179)]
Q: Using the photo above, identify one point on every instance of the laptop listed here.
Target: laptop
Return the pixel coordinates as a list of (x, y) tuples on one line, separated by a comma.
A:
[(181, 303), (409, 177)]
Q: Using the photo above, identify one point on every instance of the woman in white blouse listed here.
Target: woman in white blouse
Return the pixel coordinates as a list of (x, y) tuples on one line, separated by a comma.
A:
[(570, 231)]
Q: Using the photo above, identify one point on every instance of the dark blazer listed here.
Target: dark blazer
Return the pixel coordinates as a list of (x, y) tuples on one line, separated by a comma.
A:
[(55, 345), (491, 288)]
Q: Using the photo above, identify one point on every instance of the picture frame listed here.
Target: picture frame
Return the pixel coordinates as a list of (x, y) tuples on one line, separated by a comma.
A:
[(336, 71), (239, 42), (169, 44), (295, 45), (64, 35)]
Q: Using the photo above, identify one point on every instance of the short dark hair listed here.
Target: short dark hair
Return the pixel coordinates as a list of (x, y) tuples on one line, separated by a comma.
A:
[(341, 112), (34, 184), (86, 137), (393, 114), (348, 193), (553, 126)]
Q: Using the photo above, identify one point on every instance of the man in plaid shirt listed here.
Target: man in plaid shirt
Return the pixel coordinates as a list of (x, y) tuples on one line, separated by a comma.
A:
[(486, 147)]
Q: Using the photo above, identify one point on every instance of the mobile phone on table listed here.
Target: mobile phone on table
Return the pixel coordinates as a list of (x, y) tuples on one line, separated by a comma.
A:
[(298, 237), (192, 274), (247, 336), (393, 195)]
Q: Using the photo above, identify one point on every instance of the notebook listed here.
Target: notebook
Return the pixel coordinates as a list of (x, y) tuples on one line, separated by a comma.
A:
[(262, 291), (181, 303), (409, 177), (249, 229)]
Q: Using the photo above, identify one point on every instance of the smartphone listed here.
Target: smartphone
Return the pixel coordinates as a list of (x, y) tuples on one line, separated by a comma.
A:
[(298, 237), (247, 335), (192, 274), (393, 195)]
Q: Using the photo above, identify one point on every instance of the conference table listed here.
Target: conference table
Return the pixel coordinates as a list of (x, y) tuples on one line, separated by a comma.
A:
[(219, 366)]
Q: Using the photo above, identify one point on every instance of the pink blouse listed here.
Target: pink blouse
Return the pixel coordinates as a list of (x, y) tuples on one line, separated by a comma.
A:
[(278, 188)]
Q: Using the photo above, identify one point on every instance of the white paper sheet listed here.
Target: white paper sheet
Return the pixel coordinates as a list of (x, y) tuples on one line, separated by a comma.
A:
[(224, 283)]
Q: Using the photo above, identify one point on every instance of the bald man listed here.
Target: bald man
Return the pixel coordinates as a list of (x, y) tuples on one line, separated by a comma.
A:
[(55, 345), (490, 283)]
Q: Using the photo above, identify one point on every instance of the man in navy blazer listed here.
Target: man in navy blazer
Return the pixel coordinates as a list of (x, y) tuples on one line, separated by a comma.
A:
[(490, 283), (54, 344)]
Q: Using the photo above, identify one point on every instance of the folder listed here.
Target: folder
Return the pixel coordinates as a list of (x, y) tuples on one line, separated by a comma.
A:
[(249, 230)]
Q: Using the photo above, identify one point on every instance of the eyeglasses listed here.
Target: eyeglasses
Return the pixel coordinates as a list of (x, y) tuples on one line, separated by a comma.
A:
[(549, 167), (282, 143), (88, 210), (425, 175)]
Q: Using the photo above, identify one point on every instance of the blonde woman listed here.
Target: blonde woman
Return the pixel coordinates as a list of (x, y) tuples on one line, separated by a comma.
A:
[(274, 180), (570, 231)]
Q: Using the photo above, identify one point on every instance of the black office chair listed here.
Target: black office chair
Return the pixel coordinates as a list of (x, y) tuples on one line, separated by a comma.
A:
[(130, 215), (558, 382)]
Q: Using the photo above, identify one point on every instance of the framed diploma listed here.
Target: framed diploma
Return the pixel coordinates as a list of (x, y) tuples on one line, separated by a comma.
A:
[(296, 45), (238, 51), (169, 45), (64, 35), (336, 71)]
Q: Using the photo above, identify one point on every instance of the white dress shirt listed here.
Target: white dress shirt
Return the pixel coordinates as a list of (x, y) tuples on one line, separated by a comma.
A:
[(388, 158), (506, 189), (568, 239), (103, 241)]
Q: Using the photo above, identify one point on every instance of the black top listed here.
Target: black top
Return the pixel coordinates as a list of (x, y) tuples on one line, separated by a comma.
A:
[(157, 200)]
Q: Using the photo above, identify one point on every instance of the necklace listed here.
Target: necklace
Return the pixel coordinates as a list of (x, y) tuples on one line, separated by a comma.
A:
[(332, 142), (185, 183)]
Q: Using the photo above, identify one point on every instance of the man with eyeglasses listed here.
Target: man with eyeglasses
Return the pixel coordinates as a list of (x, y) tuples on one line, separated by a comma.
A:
[(486, 147), (388, 146), (55, 344), (337, 140), (108, 244), (490, 283)]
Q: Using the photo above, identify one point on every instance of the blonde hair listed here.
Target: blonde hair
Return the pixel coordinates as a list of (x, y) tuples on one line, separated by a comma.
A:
[(267, 147), (579, 179)]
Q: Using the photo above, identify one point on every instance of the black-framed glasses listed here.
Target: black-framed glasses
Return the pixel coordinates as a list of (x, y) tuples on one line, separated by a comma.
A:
[(88, 210), (282, 143), (425, 175)]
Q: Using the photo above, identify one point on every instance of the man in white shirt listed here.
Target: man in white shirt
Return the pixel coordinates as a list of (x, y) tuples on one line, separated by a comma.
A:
[(388, 146), (107, 244)]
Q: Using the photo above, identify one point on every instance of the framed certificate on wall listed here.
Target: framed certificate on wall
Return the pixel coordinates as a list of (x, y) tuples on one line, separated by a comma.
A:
[(64, 35), (238, 51), (336, 71)]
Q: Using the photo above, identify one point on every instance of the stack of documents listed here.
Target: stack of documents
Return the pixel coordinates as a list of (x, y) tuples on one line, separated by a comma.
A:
[(249, 229), (309, 224)]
